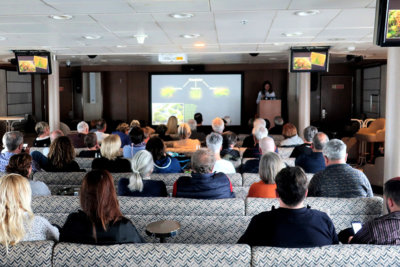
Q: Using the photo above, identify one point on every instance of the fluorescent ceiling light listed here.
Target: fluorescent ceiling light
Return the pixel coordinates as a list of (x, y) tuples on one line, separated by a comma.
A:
[(199, 45), (181, 15), (304, 13), (336, 39), (61, 17), (92, 37), (292, 34), (190, 36)]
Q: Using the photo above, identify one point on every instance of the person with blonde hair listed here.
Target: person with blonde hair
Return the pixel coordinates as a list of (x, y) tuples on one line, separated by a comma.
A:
[(43, 131), (123, 132), (17, 221), (139, 184), (172, 126), (184, 134), (270, 165), (110, 159)]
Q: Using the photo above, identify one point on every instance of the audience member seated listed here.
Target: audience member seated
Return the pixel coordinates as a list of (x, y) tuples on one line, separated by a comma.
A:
[(270, 165), (123, 133), (250, 141), (22, 165), (289, 132), (93, 148), (110, 159), (18, 223), (60, 158), (291, 225), (214, 143), (203, 183), (185, 142), (277, 129), (162, 162), (195, 134), (137, 137), (218, 125), (101, 127), (139, 184), (78, 139), (161, 130), (309, 133), (314, 162), (384, 230), (228, 152), (198, 117), (338, 179), (43, 131), (254, 152), (172, 127), (134, 123), (53, 136), (100, 221), (13, 142), (267, 144)]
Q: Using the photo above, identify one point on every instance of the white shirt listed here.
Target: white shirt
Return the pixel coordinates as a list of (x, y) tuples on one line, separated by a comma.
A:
[(292, 141), (224, 166), (267, 95), (100, 136)]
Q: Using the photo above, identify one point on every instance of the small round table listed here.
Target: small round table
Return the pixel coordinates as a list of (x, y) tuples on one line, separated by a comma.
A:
[(163, 229)]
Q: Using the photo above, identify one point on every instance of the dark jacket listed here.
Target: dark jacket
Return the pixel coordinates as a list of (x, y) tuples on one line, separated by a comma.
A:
[(42, 142), (89, 153), (117, 165), (151, 188), (301, 149), (204, 186), (311, 163), (167, 165), (77, 140), (79, 229)]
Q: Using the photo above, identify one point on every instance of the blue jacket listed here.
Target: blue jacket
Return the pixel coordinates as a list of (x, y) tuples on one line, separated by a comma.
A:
[(125, 139), (167, 165), (311, 163), (204, 186)]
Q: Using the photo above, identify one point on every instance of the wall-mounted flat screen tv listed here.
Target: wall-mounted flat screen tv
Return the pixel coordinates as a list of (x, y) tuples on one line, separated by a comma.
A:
[(32, 62), (309, 59), (387, 23)]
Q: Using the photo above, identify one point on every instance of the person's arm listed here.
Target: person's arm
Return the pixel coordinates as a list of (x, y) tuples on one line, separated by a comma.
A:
[(52, 232), (250, 235), (313, 187), (364, 236), (258, 97)]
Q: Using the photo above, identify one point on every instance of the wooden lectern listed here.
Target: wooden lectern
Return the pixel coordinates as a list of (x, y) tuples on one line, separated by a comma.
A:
[(269, 109)]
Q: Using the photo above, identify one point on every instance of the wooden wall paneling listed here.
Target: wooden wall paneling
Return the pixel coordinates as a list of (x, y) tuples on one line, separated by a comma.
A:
[(115, 100), (66, 99), (138, 96)]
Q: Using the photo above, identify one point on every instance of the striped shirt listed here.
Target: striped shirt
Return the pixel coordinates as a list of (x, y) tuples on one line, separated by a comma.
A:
[(384, 230)]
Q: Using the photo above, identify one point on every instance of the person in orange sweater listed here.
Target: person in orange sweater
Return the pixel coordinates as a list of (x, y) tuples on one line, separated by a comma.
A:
[(270, 165)]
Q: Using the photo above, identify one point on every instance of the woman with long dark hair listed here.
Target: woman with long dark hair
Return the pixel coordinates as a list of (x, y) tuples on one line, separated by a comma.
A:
[(266, 92), (100, 221)]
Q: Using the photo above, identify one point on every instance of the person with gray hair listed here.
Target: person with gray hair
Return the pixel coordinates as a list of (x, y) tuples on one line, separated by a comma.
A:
[(214, 143), (204, 183), (267, 144), (78, 139), (195, 134), (314, 162), (277, 129), (305, 148), (259, 132), (43, 131), (218, 125), (338, 179), (250, 141), (13, 142), (139, 184)]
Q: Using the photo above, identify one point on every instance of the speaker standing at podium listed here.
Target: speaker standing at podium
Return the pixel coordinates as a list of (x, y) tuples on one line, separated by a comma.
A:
[(266, 93)]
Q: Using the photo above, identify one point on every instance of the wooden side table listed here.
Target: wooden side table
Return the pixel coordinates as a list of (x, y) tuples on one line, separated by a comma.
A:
[(163, 229)]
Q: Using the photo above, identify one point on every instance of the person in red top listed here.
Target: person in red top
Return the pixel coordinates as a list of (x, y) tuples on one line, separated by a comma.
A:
[(270, 165)]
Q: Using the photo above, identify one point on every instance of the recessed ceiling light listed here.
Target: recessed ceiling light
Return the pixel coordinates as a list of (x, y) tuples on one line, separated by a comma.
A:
[(292, 34), (140, 38), (190, 36), (351, 48), (304, 13), (92, 37), (244, 21), (199, 45), (336, 39), (121, 46), (181, 15), (61, 17)]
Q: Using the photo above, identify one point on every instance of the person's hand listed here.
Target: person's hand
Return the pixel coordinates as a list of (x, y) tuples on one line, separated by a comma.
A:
[(350, 238)]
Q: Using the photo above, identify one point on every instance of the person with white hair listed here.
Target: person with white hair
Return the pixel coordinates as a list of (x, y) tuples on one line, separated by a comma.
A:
[(196, 134), (214, 143), (267, 145), (139, 184), (78, 139), (338, 179), (250, 141), (259, 132), (218, 125)]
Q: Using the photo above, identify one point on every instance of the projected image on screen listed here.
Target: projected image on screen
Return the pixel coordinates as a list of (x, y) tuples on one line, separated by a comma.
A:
[(182, 95)]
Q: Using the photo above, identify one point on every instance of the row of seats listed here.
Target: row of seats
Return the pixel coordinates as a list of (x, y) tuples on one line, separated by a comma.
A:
[(209, 221), (47, 253), (57, 181)]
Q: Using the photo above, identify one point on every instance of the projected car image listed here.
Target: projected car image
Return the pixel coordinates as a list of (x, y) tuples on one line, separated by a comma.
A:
[(162, 111)]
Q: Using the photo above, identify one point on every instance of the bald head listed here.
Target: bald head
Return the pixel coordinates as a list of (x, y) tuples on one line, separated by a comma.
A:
[(319, 141), (267, 144), (218, 125)]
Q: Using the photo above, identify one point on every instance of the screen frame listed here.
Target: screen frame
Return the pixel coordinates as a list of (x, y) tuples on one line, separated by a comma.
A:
[(309, 50), (381, 20), (241, 73), (47, 54)]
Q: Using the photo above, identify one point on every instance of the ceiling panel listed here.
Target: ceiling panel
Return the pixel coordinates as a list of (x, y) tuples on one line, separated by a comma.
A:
[(44, 19), (127, 22), (324, 4), (232, 29), (352, 18), (170, 6), (256, 5), (347, 34), (154, 38), (25, 8), (56, 28), (238, 47), (288, 20), (91, 7)]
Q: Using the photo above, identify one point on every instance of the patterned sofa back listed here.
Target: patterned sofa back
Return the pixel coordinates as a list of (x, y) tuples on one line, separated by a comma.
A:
[(250, 178), (151, 255), (333, 256), (84, 163), (34, 253), (342, 211)]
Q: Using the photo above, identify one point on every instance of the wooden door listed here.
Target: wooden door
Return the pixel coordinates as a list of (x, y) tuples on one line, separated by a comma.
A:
[(115, 100), (336, 99), (66, 99)]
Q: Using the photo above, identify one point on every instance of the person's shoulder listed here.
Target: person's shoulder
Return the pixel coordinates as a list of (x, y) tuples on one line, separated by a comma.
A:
[(37, 219), (123, 182), (153, 183)]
